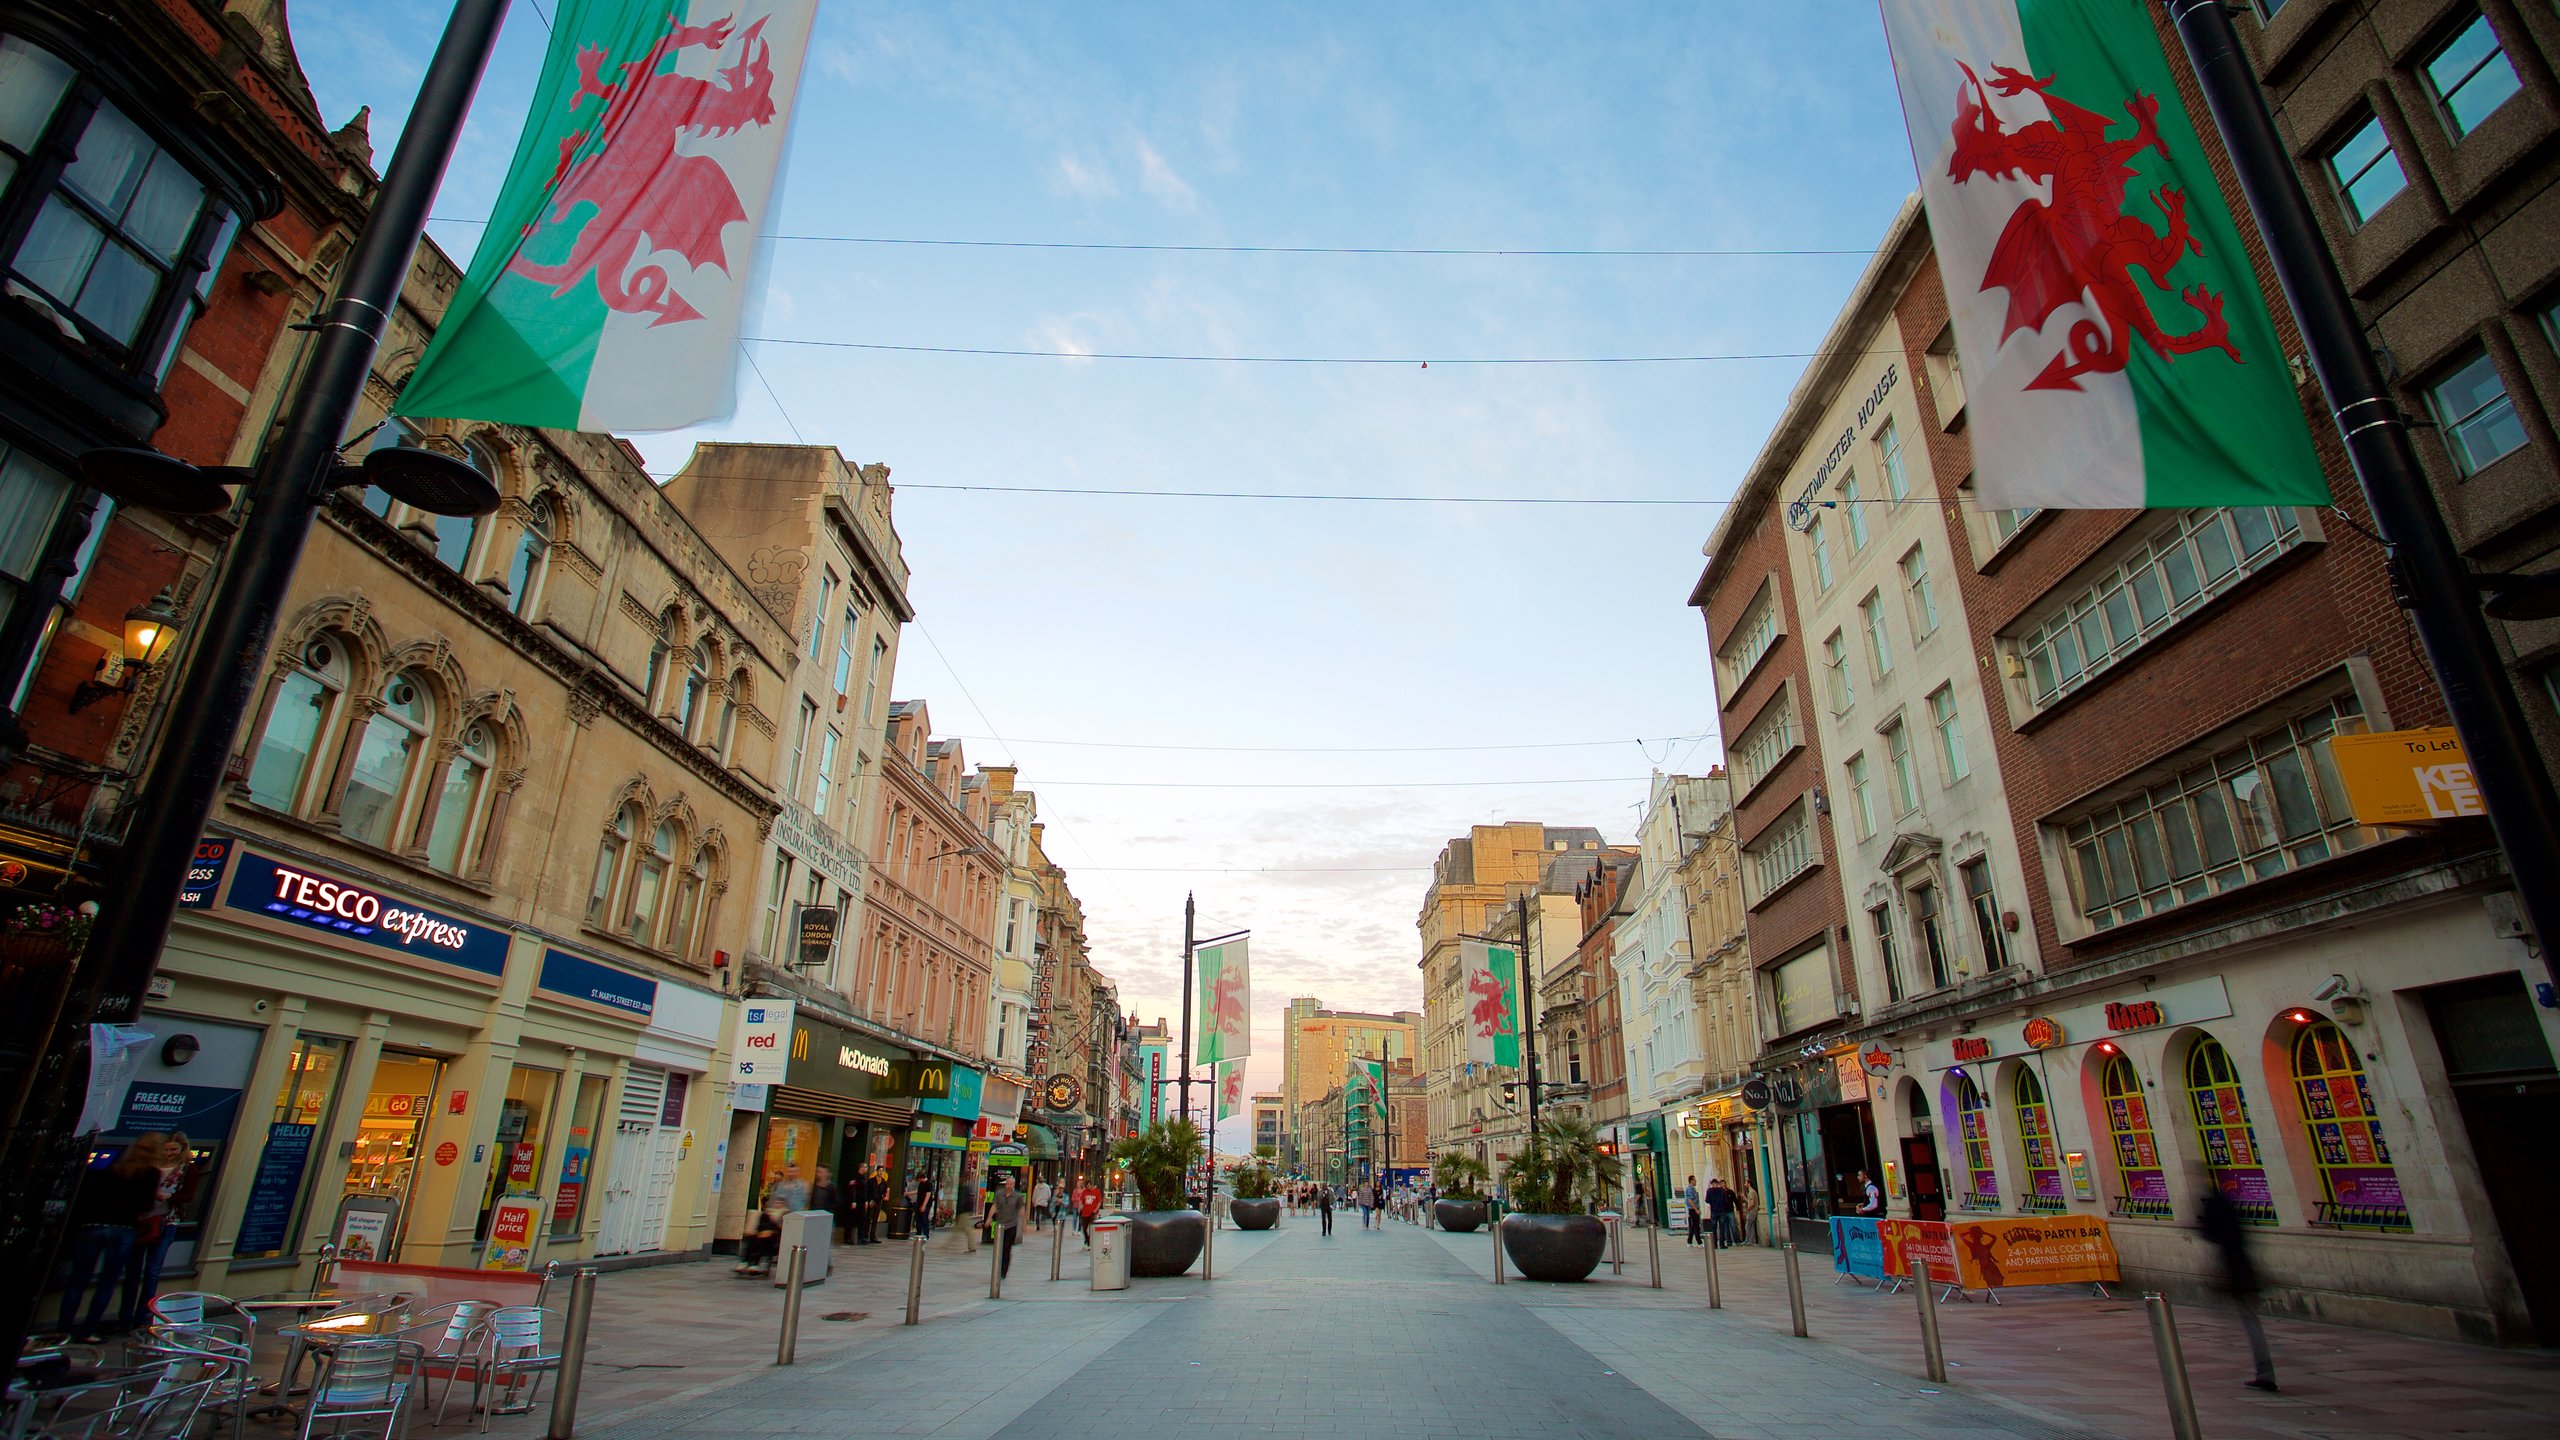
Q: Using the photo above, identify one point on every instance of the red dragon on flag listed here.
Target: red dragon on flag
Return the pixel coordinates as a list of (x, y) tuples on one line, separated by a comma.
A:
[(2081, 242), (1227, 1003), (646, 195), (1490, 1009)]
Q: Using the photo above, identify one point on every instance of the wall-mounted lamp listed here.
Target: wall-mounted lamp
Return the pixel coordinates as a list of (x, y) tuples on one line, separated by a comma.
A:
[(150, 628)]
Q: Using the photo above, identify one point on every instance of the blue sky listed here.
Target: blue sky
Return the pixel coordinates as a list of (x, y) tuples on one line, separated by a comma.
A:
[(1711, 125)]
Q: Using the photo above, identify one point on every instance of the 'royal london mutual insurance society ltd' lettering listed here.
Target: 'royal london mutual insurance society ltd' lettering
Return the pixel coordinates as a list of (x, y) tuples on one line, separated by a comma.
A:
[(346, 902)]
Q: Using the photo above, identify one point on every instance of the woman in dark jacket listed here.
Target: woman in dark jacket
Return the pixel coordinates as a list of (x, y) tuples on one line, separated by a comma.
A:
[(111, 1202)]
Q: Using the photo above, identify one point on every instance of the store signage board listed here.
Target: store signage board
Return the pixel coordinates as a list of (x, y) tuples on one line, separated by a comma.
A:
[(2188, 1002), (817, 934), (512, 1224), (199, 1110), (961, 1103), (269, 1212), (602, 986), (300, 897), (2407, 777), (204, 873), (757, 1055)]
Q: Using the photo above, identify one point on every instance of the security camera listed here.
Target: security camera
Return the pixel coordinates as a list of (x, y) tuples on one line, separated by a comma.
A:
[(2333, 987)]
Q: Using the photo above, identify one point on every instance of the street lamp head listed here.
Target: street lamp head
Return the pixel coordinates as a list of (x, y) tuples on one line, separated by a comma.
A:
[(149, 480), (429, 480)]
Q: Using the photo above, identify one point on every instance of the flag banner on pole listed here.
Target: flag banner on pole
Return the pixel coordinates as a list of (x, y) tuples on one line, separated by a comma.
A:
[(1491, 977), (1226, 1003), (2116, 349), (607, 291), (1230, 1088)]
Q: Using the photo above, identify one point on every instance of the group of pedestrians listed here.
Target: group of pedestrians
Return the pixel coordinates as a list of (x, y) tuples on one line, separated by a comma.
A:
[(1714, 1213), (123, 1220), (1369, 1199)]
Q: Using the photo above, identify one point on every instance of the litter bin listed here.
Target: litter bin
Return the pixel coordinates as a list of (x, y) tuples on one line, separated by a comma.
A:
[(815, 1229), (1110, 1253)]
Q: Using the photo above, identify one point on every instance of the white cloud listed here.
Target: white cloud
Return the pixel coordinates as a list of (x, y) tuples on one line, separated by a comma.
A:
[(1070, 175), (1158, 178)]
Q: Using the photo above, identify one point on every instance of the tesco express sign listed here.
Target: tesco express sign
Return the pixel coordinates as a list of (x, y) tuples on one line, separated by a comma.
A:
[(358, 913)]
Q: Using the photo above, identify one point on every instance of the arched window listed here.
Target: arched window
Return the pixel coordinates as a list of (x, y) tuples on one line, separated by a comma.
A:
[(2362, 1189), (458, 802), (532, 559), (1973, 1130), (386, 754), (1573, 1057), (2036, 1145), (686, 918), (306, 702), (649, 882), (661, 645), (728, 727), (454, 534), (2143, 1185), (2230, 1142), (697, 683), (609, 853)]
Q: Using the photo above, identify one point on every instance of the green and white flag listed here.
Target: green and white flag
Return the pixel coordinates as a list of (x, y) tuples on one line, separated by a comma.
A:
[(1230, 1089), (1489, 975), (1226, 1003), (2116, 349), (607, 291)]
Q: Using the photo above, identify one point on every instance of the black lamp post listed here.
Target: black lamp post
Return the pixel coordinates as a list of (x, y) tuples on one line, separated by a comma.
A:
[(175, 793)]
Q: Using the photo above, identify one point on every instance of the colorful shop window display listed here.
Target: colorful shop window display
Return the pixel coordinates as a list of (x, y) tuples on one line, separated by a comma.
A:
[(2036, 1146), (2363, 1189), (2230, 1142), (2142, 1186), (1973, 1129)]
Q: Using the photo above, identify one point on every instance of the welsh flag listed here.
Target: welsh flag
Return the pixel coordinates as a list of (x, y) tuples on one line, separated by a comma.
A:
[(607, 290), (1226, 1003), (1489, 980), (1230, 1088), (2115, 347)]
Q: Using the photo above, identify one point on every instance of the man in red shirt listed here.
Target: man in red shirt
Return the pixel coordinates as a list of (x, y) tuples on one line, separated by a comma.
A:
[(1088, 1205)]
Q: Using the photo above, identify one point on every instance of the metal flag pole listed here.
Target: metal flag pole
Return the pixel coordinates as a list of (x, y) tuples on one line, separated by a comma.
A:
[(1183, 1075), (175, 794), (2428, 575)]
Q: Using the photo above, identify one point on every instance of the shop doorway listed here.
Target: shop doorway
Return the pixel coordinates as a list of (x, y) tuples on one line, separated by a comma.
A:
[(640, 1183), (373, 1210), (1849, 1146), (524, 1119), (2509, 1092)]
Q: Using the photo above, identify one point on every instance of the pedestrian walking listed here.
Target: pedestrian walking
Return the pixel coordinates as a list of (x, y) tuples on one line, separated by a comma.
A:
[(2221, 1223), (1324, 1206), (921, 1201), (158, 1228), (1088, 1205), (105, 1214), (823, 1195), (1004, 1221), (1040, 1198), (1870, 1197)]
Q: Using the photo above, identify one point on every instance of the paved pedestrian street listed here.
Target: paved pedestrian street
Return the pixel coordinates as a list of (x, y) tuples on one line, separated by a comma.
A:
[(1399, 1331)]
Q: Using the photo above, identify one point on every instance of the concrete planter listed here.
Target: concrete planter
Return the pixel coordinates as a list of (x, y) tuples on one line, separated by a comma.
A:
[(1165, 1242), (1255, 1214), (1562, 1248), (1462, 1216)]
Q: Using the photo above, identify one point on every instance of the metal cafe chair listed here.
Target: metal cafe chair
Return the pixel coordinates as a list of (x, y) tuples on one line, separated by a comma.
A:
[(359, 1379), (514, 1362), (158, 1402), (235, 1389), (451, 1344)]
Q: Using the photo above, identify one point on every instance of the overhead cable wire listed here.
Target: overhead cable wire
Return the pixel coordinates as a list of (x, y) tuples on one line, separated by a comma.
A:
[(1405, 361), (1571, 252), (1343, 749)]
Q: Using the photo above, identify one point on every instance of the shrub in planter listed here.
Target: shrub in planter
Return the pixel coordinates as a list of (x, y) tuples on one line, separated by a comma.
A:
[(1553, 1181), (1166, 1236), (1460, 1206), (1256, 1205)]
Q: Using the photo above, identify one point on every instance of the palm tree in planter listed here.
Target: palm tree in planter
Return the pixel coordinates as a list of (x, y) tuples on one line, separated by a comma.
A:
[(1549, 1233), (1167, 1235), (1459, 1177), (1257, 1204)]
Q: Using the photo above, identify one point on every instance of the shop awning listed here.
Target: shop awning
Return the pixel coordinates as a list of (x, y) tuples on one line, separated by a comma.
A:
[(1040, 1141)]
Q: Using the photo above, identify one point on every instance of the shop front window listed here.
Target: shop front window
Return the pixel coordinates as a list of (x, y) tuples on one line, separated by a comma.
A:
[(273, 1215), (1973, 1129), (2142, 1187), (2036, 1146), (523, 1117), (2362, 1190), (373, 1212), (2230, 1142), (792, 1147), (577, 1159)]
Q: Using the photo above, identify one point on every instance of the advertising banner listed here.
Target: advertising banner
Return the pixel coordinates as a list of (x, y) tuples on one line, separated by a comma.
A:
[(1928, 1241), (764, 1035), (1857, 1246), (511, 1228), (2034, 1250)]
